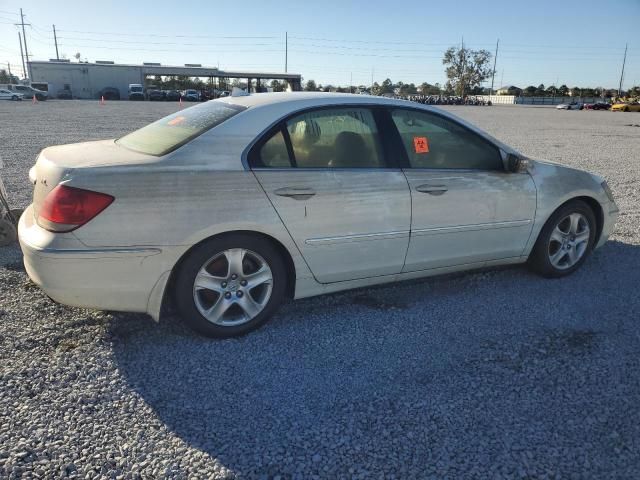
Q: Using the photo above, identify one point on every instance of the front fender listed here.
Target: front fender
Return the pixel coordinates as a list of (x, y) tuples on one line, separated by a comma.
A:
[(556, 185)]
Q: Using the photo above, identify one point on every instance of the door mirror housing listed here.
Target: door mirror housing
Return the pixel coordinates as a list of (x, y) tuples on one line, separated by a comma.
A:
[(516, 163)]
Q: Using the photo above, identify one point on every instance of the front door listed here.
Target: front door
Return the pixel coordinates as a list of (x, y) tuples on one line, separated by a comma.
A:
[(466, 208), (346, 208)]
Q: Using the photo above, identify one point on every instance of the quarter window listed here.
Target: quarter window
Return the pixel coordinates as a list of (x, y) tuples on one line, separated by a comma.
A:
[(274, 154), (432, 141)]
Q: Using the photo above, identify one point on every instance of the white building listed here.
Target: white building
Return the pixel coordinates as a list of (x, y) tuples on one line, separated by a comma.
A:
[(86, 80)]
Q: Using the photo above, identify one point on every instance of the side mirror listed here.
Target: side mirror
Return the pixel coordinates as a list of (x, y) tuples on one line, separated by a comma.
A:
[(516, 164)]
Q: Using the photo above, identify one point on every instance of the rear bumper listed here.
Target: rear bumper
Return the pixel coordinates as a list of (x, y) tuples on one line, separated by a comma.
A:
[(119, 279)]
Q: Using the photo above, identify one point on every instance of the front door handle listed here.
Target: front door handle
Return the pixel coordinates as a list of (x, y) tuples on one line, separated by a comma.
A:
[(432, 189), (295, 193)]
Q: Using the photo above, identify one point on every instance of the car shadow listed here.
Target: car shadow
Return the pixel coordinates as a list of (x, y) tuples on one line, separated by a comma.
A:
[(404, 376)]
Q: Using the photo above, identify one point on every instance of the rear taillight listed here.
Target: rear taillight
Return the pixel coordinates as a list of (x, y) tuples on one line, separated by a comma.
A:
[(67, 208)]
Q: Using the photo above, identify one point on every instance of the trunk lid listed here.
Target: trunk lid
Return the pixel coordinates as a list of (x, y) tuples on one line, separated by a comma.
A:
[(56, 164)]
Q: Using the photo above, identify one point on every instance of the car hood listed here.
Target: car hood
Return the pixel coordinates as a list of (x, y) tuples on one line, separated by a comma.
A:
[(565, 177)]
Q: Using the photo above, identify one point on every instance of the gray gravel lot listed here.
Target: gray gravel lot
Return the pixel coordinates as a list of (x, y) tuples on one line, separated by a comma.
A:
[(493, 374)]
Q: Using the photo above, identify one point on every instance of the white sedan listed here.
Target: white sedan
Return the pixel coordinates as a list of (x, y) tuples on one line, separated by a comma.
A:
[(226, 208), (9, 95), (570, 106)]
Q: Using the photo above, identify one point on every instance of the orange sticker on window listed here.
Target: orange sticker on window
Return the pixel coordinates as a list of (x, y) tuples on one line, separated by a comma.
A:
[(421, 144), (176, 121)]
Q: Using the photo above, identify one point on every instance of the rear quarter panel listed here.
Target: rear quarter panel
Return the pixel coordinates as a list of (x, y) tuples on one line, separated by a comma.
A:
[(178, 206)]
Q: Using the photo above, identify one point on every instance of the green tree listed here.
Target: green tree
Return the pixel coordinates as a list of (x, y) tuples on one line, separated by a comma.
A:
[(386, 87), (530, 91), (4, 77), (465, 68), (563, 90), (541, 91), (310, 86), (575, 92), (376, 89)]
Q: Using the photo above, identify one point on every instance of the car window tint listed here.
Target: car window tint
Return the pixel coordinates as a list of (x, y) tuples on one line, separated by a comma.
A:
[(335, 138), (169, 133), (273, 153), (432, 141)]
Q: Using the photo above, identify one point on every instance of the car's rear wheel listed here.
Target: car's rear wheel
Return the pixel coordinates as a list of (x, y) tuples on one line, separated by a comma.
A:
[(566, 240), (230, 285)]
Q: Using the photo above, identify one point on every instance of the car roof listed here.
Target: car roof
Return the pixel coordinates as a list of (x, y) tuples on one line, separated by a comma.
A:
[(314, 98), (301, 100)]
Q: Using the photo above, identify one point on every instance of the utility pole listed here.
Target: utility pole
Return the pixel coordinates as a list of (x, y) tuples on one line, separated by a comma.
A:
[(286, 50), (24, 70), (464, 59), (371, 92), (622, 72), (495, 60), (55, 39), (24, 37), (10, 76)]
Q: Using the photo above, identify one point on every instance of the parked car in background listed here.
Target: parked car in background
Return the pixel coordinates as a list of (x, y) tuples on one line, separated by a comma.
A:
[(64, 94), (597, 106), (232, 205), (109, 93), (157, 95), (223, 93), (626, 107), (191, 95), (9, 95), (570, 106), (27, 91), (136, 91), (172, 95)]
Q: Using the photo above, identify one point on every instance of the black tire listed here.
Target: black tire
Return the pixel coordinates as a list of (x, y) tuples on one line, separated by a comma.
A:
[(539, 260), (185, 278), (8, 233)]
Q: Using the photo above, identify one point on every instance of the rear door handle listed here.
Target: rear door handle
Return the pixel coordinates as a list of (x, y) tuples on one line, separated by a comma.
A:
[(432, 189), (295, 193)]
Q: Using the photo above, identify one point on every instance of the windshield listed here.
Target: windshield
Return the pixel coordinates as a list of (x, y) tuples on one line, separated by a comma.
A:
[(136, 89), (169, 133)]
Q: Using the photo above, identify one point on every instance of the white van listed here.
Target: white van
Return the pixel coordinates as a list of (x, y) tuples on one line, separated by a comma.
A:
[(136, 91)]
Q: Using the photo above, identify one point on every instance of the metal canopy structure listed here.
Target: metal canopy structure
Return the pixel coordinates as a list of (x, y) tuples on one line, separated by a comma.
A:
[(88, 78)]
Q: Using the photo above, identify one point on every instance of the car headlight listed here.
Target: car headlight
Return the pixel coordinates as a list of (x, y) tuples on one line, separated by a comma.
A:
[(607, 190)]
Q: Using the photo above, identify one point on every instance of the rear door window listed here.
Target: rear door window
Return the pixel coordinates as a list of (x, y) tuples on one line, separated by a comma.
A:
[(343, 137)]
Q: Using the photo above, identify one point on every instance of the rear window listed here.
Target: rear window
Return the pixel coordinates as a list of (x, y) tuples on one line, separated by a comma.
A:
[(169, 133)]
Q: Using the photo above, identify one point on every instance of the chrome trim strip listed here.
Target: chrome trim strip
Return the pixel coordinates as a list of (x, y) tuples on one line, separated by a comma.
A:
[(470, 228), (98, 252), (356, 238)]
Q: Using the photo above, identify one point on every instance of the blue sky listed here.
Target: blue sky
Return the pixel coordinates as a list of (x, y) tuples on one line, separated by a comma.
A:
[(570, 42)]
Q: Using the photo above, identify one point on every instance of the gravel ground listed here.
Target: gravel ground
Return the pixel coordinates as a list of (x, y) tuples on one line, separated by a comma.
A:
[(494, 374)]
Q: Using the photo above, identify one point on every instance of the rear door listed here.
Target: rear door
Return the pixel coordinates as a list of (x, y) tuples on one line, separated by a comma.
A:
[(466, 208), (345, 204)]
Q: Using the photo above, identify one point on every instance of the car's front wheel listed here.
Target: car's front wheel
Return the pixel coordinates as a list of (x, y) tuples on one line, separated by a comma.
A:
[(565, 240), (230, 285)]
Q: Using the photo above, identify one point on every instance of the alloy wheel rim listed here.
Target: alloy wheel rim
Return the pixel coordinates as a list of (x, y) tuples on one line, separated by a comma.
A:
[(569, 241), (232, 287)]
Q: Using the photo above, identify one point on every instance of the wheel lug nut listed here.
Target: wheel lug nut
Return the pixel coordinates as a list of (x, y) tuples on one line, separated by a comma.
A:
[(234, 276), (243, 283), (239, 294), (227, 295), (223, 284)]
